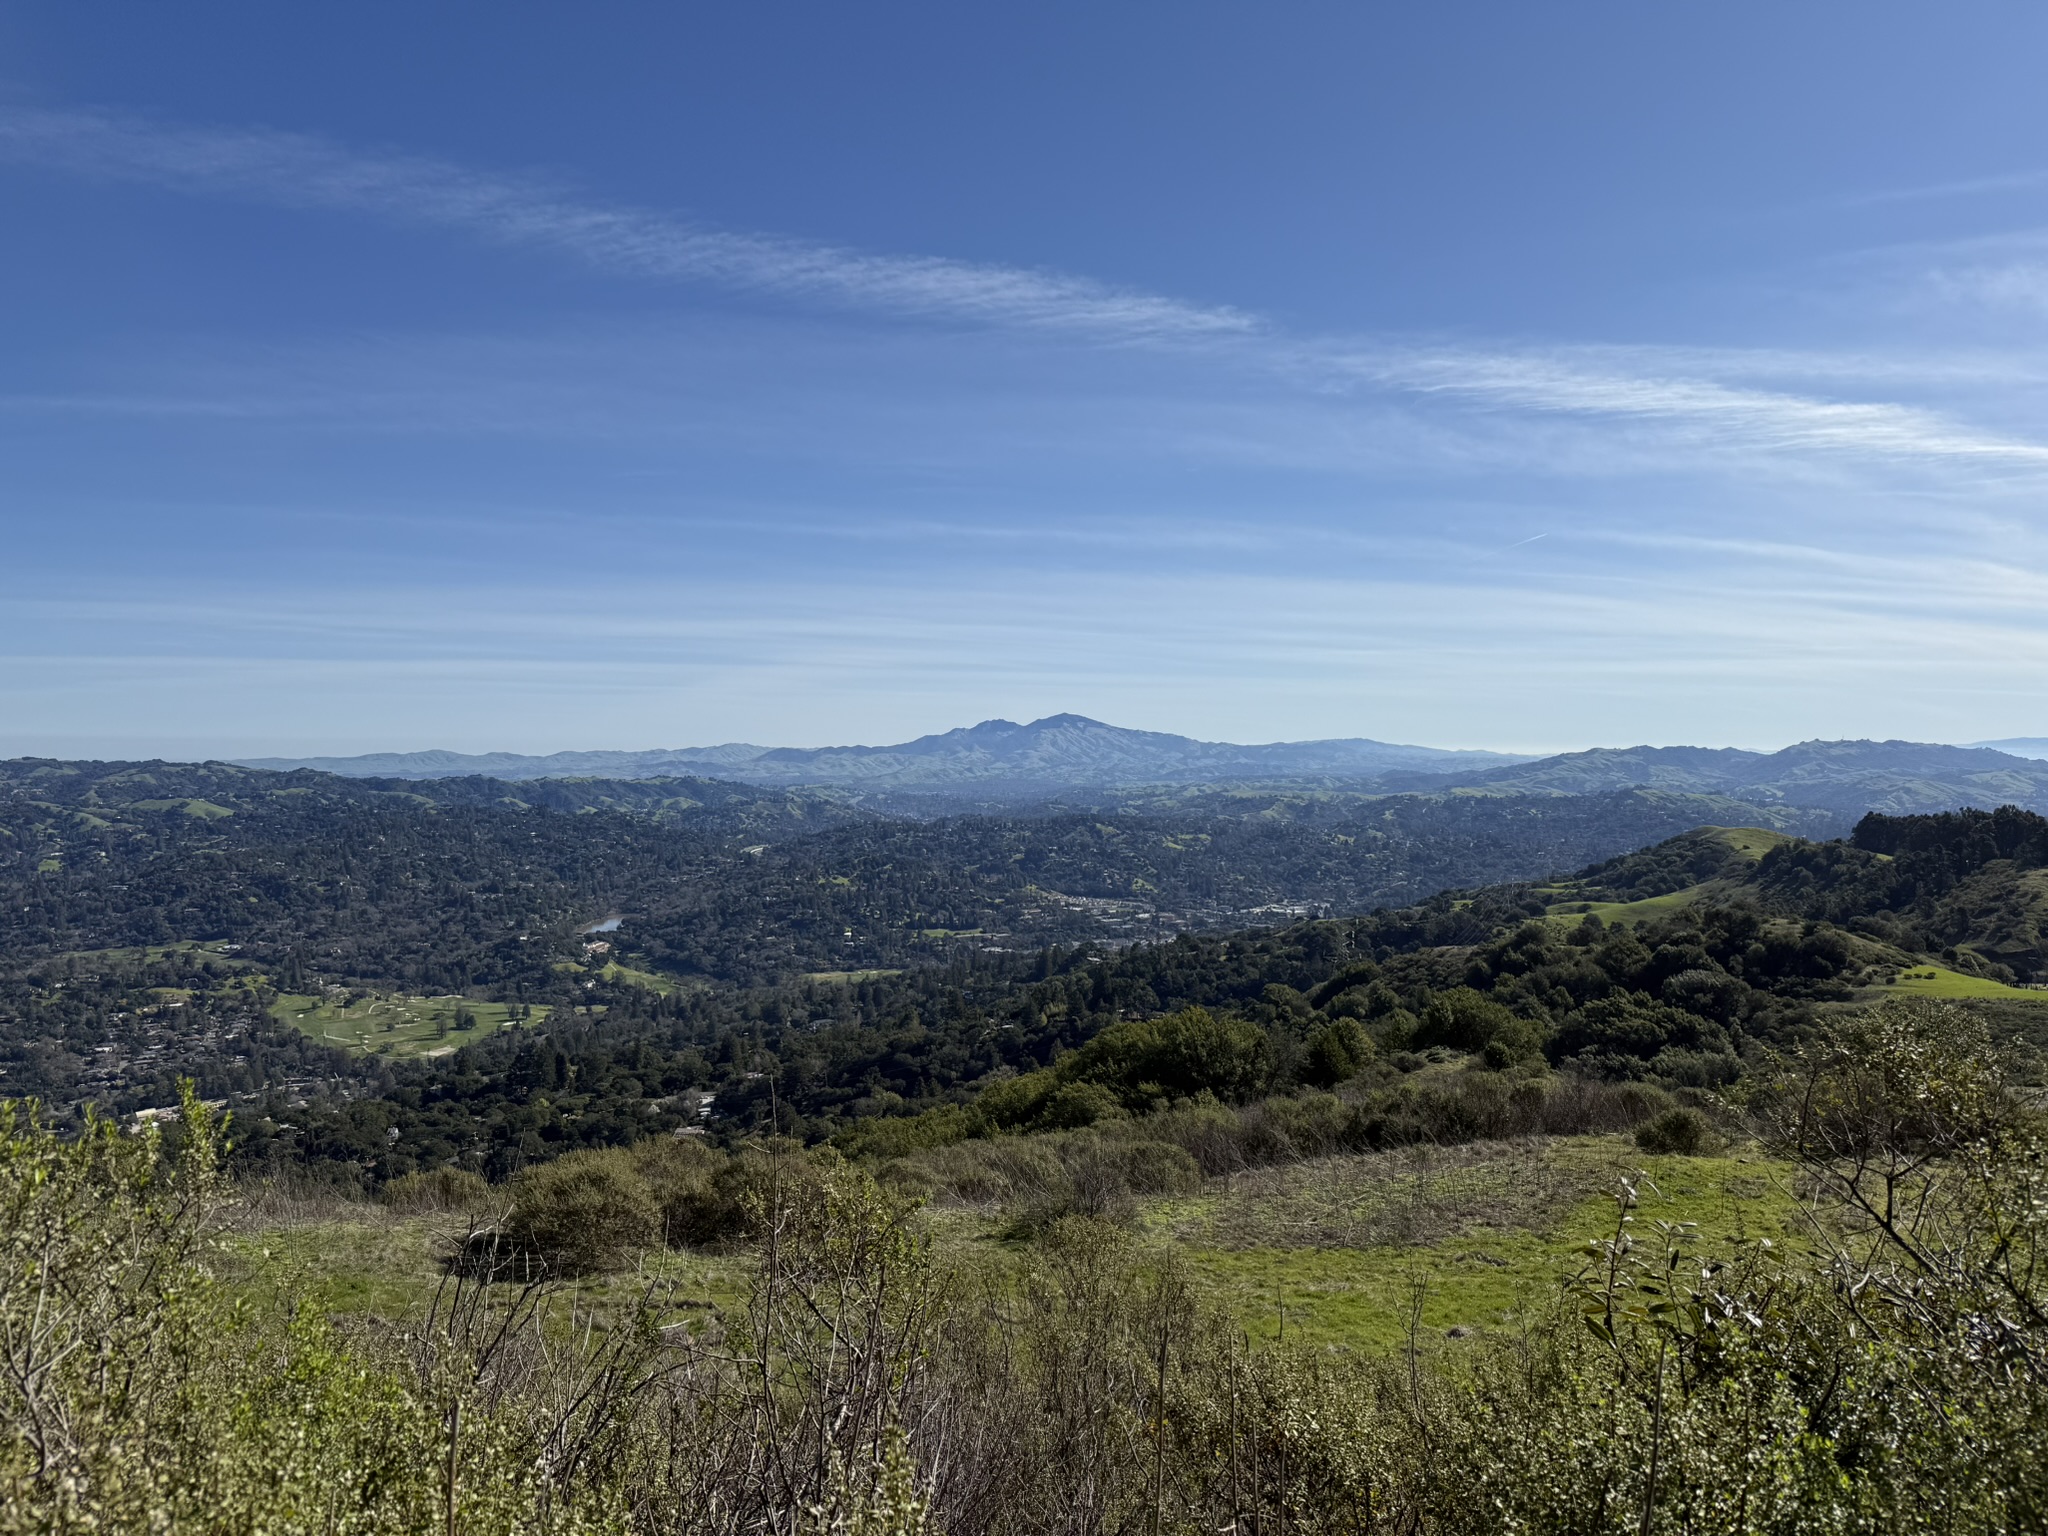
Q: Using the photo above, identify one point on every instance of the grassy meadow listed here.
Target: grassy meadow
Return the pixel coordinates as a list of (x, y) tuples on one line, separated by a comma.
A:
[(357, 1259), (1938, 981), (1081, 1330), (399, 1025), (1353, 1251), (1568, 905), (1628, 912), (1478, 1234)]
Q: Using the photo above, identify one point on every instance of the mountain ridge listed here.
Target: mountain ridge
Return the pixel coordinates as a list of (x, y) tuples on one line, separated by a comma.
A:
[(1000, 761), (1061, 751), (1894, 777)]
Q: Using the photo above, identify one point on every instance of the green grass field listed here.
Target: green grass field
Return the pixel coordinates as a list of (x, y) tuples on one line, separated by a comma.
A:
[(1613, 912), (1337, 1247), (1751, 842), (1341, 1245), (1930, 980), (396, 1026), (646, 981), (348, 1258), (205, 810)]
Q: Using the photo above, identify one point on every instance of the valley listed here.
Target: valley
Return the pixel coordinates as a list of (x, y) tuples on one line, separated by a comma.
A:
[(1023, 770), (1227, 1096)]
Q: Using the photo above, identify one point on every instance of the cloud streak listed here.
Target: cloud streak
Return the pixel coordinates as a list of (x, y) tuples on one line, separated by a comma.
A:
[(1696, 402), (1772, 420), (305, 171)]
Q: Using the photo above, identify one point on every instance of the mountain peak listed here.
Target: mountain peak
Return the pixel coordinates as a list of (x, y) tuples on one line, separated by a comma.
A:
[(1051, 755)]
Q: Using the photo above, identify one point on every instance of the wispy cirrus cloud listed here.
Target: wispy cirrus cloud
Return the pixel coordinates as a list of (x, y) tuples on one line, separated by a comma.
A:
[(306, 171), (1697, 402), (1767, 419)]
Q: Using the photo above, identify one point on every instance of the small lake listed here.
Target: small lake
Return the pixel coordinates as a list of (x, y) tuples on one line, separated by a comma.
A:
[(608, 925)]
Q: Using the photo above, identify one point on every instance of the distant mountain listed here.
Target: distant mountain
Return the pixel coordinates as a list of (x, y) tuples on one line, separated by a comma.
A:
[(2018, 746), (1896, 777), (1058, 752), (1065, 757)]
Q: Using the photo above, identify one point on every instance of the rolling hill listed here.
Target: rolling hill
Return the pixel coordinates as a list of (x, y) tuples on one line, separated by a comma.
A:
[(1848, 777), (1058, 752), (1072, 760)]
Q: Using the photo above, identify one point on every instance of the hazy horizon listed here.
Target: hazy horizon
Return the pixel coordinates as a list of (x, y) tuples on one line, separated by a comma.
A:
[(174, 749)]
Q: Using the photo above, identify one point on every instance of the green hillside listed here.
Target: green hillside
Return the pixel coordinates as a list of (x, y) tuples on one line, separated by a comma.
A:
[(1930, 980)]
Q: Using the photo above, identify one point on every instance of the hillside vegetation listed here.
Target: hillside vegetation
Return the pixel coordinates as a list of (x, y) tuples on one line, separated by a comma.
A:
[(673, 1337), (304, 884), (701, 1166), (1521, 978), (747, 988)]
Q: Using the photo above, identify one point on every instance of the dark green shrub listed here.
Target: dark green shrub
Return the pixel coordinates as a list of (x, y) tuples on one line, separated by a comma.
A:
[(741, 1191), (1353, 978), (584, 1213), (1079, 1104), (681, 1173), (749, 1187), (1395, 1031), (1618, 1034), (1466, 1020), (1335, 1053), (1354, 1004), (888, 1136), (1678, 1131), (1016, 1101), (1175, 1056)]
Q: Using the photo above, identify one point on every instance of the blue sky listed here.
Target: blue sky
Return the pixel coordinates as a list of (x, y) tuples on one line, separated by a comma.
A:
[(534, 377)]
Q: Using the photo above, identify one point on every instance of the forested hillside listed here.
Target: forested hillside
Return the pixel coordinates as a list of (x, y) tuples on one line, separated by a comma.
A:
[(1734, 954), (459, 883), (1392, 1129), (812, 965)]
